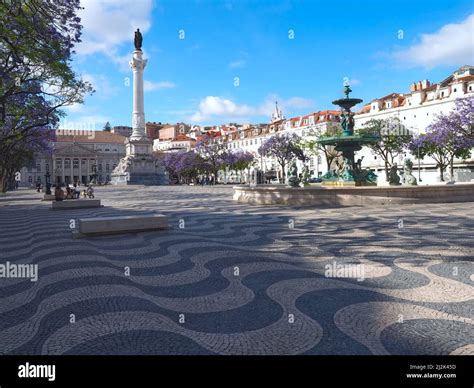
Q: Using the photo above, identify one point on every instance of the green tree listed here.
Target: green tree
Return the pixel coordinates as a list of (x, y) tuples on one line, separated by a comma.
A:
[(393, 139), (315, 148), (107, 127)]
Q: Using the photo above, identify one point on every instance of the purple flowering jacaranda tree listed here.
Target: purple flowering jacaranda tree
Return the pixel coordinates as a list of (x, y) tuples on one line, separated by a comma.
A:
[(448, 137), (284, 148), (36, 77)]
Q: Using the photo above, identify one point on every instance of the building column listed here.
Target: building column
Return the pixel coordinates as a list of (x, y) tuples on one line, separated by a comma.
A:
[(80, 170), (88, 170), (63, 166), (53, 170)]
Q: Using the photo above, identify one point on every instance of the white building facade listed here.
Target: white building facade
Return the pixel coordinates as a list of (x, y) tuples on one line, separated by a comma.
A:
[(76, 159), (266, 169), (179, 143), (415, 111)]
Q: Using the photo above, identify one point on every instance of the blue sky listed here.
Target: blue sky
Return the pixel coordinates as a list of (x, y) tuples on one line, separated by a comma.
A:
[(214, 62)]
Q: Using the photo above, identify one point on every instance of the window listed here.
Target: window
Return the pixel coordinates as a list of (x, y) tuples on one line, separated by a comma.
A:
[(38, 167), (100, 167), (107, 167), (83, 162), (67, 163), (47, 167), (30, 180), (75, 163), (59, 163), (470, 87), (455, 90)]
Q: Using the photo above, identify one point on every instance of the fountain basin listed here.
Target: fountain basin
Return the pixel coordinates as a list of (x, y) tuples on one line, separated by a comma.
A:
[(320, 196)]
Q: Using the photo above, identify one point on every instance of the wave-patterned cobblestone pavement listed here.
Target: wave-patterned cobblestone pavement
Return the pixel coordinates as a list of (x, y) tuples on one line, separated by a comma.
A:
[(229, 278)]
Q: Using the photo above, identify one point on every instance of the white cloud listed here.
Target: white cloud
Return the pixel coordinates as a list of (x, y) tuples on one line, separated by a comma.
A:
[(108, 24), (104, 89), (237, 64), (123, 61), (213, 108), (151, 86), (297, 103), (451, 45), (75, 108)]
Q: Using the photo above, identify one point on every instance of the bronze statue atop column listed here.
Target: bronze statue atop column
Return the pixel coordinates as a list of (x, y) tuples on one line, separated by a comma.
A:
[(138, 39)]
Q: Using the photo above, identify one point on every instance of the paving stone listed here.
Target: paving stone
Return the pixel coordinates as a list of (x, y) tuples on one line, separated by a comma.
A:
[(409, 300)]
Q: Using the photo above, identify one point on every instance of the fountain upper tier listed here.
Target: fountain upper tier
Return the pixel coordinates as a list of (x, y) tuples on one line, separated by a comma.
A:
[(347, 103)]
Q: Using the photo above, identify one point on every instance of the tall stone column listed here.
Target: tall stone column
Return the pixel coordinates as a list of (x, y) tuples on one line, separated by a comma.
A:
[(138, 64), (139, 166)]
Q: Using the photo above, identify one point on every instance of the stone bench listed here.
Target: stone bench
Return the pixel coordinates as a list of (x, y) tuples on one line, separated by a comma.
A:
[(75, 204), (121, 224)]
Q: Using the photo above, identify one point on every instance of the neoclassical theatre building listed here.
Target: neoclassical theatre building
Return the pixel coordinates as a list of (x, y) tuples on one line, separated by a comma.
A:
[(77, 158)]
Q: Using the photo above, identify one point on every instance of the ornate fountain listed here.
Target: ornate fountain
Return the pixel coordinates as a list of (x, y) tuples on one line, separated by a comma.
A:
[(349, 172)]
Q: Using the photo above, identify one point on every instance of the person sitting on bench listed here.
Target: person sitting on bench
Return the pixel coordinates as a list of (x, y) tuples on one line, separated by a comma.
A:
[(90, 191), (58, 194), (69, 193)]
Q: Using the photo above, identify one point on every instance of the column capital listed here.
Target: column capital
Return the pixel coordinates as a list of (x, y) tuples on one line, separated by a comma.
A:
[(138, 62)]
